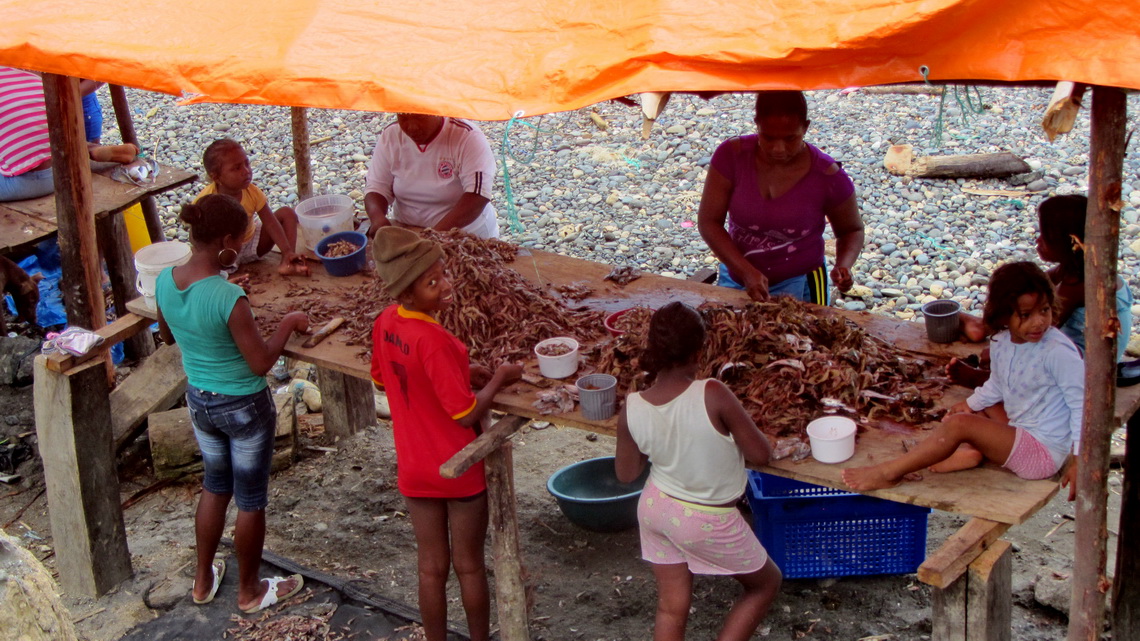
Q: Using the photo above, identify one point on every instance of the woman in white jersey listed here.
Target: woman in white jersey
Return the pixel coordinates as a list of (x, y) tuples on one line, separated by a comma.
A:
[(433, 172), (697, 436)]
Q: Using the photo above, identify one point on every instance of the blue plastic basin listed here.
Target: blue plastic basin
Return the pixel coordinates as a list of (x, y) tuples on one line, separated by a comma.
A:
[(591, 496), (344, 265)]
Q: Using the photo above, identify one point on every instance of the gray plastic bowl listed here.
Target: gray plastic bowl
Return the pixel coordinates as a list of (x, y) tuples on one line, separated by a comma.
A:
[(590, 495)]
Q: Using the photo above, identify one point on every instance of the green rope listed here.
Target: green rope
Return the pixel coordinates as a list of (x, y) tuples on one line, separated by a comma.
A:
[(507, 150), (966, 105)]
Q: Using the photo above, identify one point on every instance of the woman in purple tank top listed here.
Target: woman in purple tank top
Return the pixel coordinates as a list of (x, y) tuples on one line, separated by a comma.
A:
[(776, 192)]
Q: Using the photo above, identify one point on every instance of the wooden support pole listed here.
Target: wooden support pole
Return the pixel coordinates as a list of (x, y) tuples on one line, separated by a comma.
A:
[(112, 233), (510, 583), (1126, 592), (1102, 228), (127, 133), (346, 401), (301, 152), (73, 425), (81, 284), (1063, 109), (976, 606)]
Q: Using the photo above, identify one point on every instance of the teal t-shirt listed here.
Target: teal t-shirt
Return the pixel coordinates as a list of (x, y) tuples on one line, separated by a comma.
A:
[(198, 316)]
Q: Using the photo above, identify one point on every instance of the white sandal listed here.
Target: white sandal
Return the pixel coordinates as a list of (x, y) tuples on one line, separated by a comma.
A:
[(271, 597)]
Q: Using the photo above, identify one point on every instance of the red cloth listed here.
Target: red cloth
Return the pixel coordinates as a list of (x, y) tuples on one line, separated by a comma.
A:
[(425, 371), (23, 122)]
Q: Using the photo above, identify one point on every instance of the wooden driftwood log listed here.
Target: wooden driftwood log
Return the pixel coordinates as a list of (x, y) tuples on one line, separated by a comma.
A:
[(900, 160), (1063, 109)]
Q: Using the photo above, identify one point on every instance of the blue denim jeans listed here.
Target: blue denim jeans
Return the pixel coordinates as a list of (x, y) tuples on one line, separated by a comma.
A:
[(235, 434), (799, 287), (30, 184)]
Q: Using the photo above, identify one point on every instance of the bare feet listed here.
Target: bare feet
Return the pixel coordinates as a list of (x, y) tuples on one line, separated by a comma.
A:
[(963, 458), (123, 154), (867, 478)]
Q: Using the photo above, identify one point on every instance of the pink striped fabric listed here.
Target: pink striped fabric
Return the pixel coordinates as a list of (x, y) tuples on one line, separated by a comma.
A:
[(23, 122)]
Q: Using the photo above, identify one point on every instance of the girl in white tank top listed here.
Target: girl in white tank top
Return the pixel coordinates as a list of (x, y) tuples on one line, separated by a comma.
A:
[(697, 436)]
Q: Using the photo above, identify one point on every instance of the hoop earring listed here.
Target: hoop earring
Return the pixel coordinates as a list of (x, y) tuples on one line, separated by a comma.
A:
[(227, 262)]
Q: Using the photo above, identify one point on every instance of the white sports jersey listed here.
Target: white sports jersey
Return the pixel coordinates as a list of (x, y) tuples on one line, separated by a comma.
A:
[(422, 185)]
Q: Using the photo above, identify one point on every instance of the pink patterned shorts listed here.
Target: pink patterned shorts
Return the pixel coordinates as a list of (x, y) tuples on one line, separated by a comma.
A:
[(1029, 459), (710, 540)]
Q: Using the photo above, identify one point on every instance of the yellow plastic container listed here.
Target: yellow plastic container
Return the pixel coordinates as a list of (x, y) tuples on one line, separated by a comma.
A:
[(136, 227)]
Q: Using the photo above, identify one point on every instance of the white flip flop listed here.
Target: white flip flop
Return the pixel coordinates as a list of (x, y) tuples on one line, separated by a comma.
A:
[(219, 569), (271, 597)]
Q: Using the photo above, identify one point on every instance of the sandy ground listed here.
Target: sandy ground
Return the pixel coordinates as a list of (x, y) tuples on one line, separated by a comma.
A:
[(339, 512)]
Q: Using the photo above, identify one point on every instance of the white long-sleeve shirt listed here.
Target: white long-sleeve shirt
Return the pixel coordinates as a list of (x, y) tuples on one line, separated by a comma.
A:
[(1042, 385)]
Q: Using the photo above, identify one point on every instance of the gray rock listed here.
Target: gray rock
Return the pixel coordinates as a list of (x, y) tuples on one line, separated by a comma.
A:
[(1053, 589), (1038, 185), (168, 592)]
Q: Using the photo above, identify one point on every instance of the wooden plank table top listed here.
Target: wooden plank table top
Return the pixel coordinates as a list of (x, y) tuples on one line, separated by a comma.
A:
[(26, 222), (986, 492)]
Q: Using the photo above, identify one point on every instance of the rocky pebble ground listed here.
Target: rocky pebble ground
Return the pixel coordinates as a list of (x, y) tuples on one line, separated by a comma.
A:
[(606, 194)]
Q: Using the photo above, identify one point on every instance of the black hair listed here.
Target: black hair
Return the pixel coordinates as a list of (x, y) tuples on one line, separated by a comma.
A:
[(1061, 220), (676, 335), (1010, 282), (212, 157), (214, 217), (781, 103)]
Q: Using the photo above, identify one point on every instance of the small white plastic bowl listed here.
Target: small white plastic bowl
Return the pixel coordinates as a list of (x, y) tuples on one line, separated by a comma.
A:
[(558, 366), (832, 439)]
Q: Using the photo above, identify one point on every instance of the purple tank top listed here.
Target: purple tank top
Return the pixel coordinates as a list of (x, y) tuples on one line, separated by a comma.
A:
[(782, 236)]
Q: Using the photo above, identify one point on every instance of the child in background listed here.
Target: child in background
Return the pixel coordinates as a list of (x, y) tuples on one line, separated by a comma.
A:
[(1061, 220), (1027, 416), (228, 167), (435, 413), (231, 409), (696, 435)]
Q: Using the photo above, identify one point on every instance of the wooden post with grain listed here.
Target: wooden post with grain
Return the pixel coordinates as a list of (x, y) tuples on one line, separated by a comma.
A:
[(301, 159), (1102, 229), (346, 401)]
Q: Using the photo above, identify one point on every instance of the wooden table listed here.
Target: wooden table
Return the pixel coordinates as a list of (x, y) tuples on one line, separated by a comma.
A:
[(996, 498), (24, 223)]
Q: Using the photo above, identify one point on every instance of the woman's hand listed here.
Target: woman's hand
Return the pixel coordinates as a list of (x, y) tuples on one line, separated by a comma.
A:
[(293, 263), (842, 278), (296, 322), (480, 376), (961, 407), (509, 372), (756, 285)]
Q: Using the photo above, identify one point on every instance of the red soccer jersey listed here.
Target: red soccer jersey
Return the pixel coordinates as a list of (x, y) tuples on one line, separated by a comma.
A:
[(426, 374)]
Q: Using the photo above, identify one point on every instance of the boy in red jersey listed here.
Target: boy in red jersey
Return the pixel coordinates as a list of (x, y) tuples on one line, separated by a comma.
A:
[(425, 371)]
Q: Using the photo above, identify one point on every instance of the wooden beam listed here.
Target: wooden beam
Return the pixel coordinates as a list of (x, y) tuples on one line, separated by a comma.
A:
[(1126, 593), (73, 425), (116, 247), (118, 331), (951, 560), (989, 608), (155, 385), (486, 443), (346, 402), (301, 158), (948, 611), (127, 133), (510, 574), (81, 284), (1102, 229)]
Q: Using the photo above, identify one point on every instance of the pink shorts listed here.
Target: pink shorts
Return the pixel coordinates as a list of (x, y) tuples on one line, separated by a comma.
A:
[(1029, 459), (710, 540)]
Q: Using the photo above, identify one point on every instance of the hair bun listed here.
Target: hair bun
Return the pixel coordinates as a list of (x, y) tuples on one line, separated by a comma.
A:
[(191, 214)]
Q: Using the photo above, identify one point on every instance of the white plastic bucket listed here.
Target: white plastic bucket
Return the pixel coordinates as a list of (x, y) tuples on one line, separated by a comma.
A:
[(559, 366), (320, 216), (151, 260), (832, 439)]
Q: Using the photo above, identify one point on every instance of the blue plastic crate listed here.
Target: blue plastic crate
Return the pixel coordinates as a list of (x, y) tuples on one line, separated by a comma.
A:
[(812, 531)]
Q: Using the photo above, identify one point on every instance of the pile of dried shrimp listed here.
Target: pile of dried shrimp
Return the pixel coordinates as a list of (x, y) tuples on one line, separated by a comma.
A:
[(340, 248), (788, 365)]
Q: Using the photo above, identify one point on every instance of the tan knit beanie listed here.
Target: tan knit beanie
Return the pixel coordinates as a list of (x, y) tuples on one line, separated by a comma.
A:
[(401, 256)]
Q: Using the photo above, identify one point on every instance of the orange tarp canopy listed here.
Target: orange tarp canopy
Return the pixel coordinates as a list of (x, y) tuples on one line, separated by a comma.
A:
[(489, 59)]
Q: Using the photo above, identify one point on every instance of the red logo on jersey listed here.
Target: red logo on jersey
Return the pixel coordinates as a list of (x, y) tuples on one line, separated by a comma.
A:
[(446, 170)]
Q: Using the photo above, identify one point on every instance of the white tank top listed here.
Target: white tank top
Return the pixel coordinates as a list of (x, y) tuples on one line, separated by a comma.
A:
[(690, 459)]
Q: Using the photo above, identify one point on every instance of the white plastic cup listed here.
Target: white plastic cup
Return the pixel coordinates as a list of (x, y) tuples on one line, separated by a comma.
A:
[(832, 439), (597, 394), (151, 260), (557, 366), (320, 216)]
